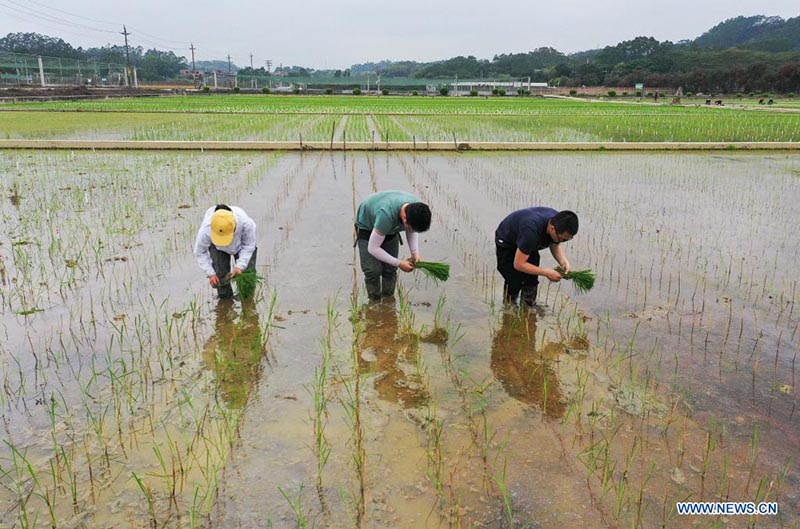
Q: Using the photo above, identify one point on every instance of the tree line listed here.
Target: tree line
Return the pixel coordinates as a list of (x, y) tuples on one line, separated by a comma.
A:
[(743, 54), (151, 65)]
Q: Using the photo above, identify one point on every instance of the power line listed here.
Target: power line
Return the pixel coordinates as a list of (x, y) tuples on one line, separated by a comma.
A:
[(155, 39), (116, 24), (36, 14), (40, 17), (20, 11)]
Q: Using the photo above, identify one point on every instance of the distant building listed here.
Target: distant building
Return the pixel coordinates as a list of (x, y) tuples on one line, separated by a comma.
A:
[(191, 74), (485, 86)]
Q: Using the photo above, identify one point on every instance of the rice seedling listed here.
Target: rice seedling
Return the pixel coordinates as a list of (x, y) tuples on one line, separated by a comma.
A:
[(583, 280), (246, 283), (434, 270), (296, 503), (116, 346)]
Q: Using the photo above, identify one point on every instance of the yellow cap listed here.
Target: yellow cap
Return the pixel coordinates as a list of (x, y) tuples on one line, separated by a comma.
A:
[(223, 224)]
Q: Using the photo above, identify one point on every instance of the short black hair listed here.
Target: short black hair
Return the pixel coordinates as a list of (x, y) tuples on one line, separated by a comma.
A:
[(418, 216), (565, 221), (222, 206)]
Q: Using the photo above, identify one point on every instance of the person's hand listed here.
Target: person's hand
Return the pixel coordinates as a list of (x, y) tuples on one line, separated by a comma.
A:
[(552, 275), (416, 257), (235, 272), (213, 280), (406, 265), (565, 265)]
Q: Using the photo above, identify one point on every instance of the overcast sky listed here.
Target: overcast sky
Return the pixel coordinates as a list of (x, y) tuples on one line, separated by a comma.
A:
[(339, 33)]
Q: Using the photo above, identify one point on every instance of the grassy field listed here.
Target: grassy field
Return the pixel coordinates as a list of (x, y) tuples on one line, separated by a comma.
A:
[(289, 118), (382, 105)]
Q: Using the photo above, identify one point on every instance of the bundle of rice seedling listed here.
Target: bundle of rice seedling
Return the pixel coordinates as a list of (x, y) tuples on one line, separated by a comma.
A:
[(435, 271), (246, 283), (582, 279)]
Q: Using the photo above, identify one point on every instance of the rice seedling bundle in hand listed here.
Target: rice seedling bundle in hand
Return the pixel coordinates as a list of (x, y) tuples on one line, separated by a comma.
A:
[(246, 283), (583, 280), (435, 271)]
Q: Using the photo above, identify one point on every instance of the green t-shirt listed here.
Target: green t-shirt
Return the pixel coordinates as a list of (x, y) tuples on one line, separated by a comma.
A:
[(382, 211)]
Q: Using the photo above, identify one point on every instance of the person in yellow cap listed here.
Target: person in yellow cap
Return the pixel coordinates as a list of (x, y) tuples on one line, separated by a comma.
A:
[(226, 231)]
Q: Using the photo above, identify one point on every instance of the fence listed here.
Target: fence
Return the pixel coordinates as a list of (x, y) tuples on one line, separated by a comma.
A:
[(19, 69)]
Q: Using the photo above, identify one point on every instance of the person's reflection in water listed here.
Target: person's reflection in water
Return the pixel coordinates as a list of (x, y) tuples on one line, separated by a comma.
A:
[(235, 350), (391, 357), (526, 374)]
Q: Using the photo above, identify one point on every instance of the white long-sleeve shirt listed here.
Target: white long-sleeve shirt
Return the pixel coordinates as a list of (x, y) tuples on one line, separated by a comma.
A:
[(244, 241), (375, 250)]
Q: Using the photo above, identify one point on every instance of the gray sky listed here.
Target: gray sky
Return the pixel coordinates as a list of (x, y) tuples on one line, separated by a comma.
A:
[(339, 33)]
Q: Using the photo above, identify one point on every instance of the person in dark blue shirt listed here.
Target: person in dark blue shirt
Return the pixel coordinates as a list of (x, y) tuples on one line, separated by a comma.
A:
[(520, 237)]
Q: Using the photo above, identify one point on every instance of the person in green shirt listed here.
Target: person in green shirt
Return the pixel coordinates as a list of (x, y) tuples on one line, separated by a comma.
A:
[(380, 219)]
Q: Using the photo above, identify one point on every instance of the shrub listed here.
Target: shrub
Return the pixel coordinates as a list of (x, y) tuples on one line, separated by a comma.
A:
[(739, 94), (638, 93), (236, 89), (689, 94), (444, 90), (385, 91), (790, 94), (329, 91), (612, 93), (473, 93), (624, 93), (295, 91), (414, 93), (520, 91), (265, 90), (766, 96), (206, 88), (573, 92), (501, 92), (356, 91), (649, 94)]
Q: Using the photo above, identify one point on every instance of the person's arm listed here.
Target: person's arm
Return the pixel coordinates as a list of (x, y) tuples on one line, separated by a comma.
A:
[(412, 238), (201, 245), (560, 256), (376, 238), (521, 264), (248, 246)]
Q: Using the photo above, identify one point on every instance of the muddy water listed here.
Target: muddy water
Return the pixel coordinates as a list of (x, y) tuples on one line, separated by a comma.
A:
[(598, 410), (673, 379)]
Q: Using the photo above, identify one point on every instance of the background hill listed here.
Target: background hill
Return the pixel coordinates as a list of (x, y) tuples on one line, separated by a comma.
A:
[(742, 54), (757, 33)]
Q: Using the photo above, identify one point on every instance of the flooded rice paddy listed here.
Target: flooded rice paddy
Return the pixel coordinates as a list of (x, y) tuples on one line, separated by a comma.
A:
[(132, 397)]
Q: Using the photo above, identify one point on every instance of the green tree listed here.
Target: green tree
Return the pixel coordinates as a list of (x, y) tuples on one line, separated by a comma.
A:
[(159, 65), (36, 44)]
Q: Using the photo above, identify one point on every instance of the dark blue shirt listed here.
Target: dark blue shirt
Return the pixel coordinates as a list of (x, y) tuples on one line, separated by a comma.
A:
[(526, 229)]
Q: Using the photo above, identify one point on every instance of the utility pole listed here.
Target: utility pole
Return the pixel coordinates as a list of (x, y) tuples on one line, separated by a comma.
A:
[(127, 55), (194, 72), (268, 62), (229, 64), (251, 61)]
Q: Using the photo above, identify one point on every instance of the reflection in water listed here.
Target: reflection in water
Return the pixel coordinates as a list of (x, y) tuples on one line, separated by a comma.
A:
[(14, 197), (526, 374), (391, 356), (234, 351)]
